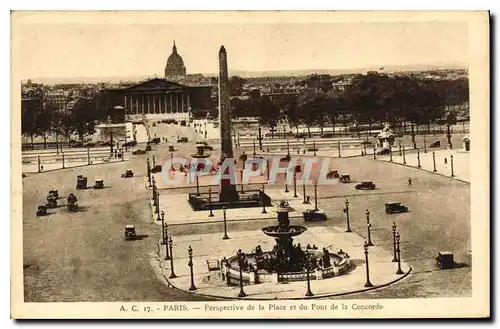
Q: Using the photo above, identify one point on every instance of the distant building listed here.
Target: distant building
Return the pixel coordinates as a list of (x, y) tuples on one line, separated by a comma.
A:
[(175, 65)]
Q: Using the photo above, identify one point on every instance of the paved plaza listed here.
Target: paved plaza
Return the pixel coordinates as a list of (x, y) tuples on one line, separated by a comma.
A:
[(211, 247)]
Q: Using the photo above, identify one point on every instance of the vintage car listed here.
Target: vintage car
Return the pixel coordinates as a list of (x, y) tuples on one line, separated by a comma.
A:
[(148, 148), (300, 135), (81, 182), (332, 174), (139, 151), (365, 186), (444, 260), (286, 158), (155, 140), (298, 168), (128, 173), (99, 183), (51, 202), (171, 148), (54, 193), (182, 140), (156, 169), (345, 178), (130, 233), (435, 144), (130, 144), (314, 215), (41, 210), (384, 151), (395, 208)]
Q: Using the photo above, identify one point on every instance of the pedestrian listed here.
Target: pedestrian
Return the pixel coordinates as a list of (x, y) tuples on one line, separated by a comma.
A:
[(445, 161), (409, 181)]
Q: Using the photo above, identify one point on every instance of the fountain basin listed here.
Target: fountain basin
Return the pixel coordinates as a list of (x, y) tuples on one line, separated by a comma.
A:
[(293, 230)]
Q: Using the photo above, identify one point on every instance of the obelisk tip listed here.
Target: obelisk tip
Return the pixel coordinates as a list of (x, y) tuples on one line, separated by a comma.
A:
[(222, 49)]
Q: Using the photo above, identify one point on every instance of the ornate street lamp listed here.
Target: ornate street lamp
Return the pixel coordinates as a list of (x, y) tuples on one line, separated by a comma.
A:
[(254, 150), (172, 274), (260, 138), (154, 160), (368, 283), (369, 227), (316, 197), (451, 160), (39, 163), (190, 264), (241, 179), (88, 155), (304, 191), (390, 153), (197, 185), (286, 182), (241, 263), (338, 146), (434, 160), (346, 211), (157, 210), (287, 147), (314, 147), (63, 160), (210, 202), (404, 155), (399, 148), (225, 224), (172, 161), (398, 250), (374, 153), (308, 262), (263, 200), (295, 184), (148, 171), (394, 226), (418, 158), (425, 145)]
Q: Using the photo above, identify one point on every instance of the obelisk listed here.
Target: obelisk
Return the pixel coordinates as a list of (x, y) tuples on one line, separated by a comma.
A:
[(227, 191)]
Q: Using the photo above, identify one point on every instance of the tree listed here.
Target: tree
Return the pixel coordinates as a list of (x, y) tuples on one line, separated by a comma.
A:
[(235, 85), (82, 118), (29, 113)]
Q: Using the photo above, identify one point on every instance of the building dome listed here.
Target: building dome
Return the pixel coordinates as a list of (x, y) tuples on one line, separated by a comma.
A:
[(175, 65)]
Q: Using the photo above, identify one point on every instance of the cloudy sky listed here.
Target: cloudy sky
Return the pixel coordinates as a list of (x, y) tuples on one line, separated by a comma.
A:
[(62, 45)]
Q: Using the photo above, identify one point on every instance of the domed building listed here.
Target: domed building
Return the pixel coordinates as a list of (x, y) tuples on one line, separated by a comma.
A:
[(175, 65)]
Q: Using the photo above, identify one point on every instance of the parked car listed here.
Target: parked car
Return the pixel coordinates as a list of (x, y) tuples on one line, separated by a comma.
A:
[(395, 208), (314, 215), (156, 169), (332, 174), (130, 233), (435, 144), (136, 152), (365, 186), (128, 173), (345, 178), (129, 144), (445, 260), (300, 135), (155, 140), (384, 151), (182, 140), (41, 210)]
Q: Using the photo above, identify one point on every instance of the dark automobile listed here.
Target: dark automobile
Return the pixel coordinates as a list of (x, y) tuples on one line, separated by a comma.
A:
[(365, 186), (41, 210), (287, 158), (171, 148), (395, 208), (136, 152), (314, 215), (155, 140), (81, 182), (130, 233), (384, 151), (300, 135), (156, 169), (435, 144), (77, 145), (444, 260), (129, 144), (148, 148), (99, 184), (345, 178), (204, 146), (332, 174), (128, 173), (182, 140)]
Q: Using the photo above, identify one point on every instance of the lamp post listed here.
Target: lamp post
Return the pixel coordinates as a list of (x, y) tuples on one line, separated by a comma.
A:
[(39, 164), (398, 250), (288, 147), (88, 155), (63, 160), (399, 148), (263, 200), (171, 161), (304, 191), (148, 169), (268, 169), (308, 292), (390, 153), (241, 179), (338, 146), (154, 160), (394, 226), (316, 197), (418, 158), (190, 264), (434, 161), (448, 135), (286, 182), (425, 145), (295, 184), (158, 206), (451, 161), (369, 228), (260, 138), (240, 263), (346, 211), (225, 224), (172, 274), (374, 152), (165, 235), (154, 191), (197, 185), (368, 283), (404, 155), (314, 148), (210, 202), (254, 151)]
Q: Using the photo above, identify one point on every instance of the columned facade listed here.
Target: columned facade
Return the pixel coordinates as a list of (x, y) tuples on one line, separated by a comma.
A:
[(166, 102)]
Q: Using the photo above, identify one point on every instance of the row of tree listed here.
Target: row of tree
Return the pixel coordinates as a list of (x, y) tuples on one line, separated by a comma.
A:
[(368, 99), (45, 119)]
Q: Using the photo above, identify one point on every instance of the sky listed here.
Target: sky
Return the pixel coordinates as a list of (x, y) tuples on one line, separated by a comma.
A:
[(125, 47)]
